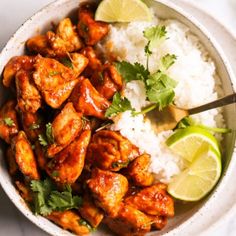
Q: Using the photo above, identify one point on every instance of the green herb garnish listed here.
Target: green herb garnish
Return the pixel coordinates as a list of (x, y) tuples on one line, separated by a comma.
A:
[(167, 61), (49, 133), (8, 121), (131, 72), (48, 199), (118, 105), (67, 62), (85, 223), (52, 73), (160, 89), (42, 140), (34, 126), (120, 164), (155, 35)]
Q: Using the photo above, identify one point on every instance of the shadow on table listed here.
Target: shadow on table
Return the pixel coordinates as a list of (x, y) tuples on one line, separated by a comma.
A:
[(13, 222)]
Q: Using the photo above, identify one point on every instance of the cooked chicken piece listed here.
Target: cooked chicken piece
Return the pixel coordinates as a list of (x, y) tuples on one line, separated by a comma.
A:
[(67, 166), (24, 191), (24, 156), (87, 100), (40, 44), (65, 128), (40, 154), (65, 39), (108, 190), (90, 212), (54, 80), (107, 82), (90, 30), (69, 220), (28, 97), (158, 222), (79, 62), (94, 63), (8, 121), (109, 150), (153, 200), (138, 171), (129, 222), (32, 125), (11, 161), (15, 64)]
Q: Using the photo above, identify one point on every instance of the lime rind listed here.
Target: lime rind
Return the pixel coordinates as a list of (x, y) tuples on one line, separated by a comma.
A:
[(122, 11), (186, 142)]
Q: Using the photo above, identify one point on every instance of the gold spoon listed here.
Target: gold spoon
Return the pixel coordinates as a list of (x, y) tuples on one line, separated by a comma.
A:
[(169, 117)]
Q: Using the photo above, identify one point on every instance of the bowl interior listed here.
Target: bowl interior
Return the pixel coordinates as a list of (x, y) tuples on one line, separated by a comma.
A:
[(185, 213)]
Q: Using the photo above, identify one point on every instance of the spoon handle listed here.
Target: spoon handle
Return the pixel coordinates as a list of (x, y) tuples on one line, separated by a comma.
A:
[(218, 103)]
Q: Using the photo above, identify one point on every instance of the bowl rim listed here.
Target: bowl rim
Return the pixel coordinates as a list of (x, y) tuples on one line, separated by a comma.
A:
[(169, 4)]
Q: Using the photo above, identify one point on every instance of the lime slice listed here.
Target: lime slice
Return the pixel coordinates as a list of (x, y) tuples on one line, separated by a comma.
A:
[(188, 142), (199, 178), (123, 11)]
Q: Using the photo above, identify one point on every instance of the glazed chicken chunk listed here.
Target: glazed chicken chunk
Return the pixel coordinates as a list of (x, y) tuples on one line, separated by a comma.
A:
[(65, 39), (24, 156), (153, 200), (65, 128), (90, 30), (87, 100), (129, 222), (108, 190), (90, 212), (79, 62), (69, 220), (40, 44), (15, 64), (108, 150), (107, 82), (32, 125), (138, 171), (94, 63), (69, 163), (8, 121), (28, 97), (54, 80), (11, 162)]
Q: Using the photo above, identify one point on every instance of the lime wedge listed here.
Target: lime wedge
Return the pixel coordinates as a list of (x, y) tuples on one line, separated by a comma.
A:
[(188, 142), (199, 178), (122, 11)]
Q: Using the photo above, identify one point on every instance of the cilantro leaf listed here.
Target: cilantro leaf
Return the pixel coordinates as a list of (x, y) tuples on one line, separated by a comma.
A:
[(49, 133), (160, 89), (61, 201), (85, 223), (34, 126), (118, 105), (41, 191), (168, 60), (131, 72), (8, 121), (48, 199), (42, 140), (154, 35), (66, 62)]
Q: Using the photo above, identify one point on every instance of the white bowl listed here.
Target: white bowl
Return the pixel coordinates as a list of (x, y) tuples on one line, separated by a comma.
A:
[(192, 218)]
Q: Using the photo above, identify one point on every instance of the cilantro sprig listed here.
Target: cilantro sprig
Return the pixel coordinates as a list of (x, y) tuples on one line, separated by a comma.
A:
[(48, 199), (119, 104), (159, 86), (155, 35), (47, 138)]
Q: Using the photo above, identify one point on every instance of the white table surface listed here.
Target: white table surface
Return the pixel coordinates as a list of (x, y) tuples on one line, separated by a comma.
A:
[(12, 14)]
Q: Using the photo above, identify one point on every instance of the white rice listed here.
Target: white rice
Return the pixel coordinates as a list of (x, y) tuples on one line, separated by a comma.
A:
[(197, 84)]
